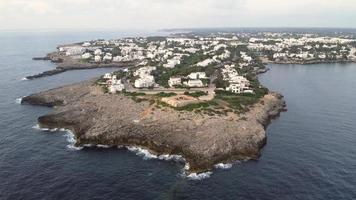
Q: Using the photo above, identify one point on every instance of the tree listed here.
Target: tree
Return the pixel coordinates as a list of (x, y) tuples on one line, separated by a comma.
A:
[(116, 51)]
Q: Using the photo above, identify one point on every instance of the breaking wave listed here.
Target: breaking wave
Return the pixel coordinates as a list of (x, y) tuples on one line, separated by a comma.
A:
[(18, 100), (148, 155), (223, 166), (24, 79), (199, 176), (37, 127), (103, 146), (142, 152), (71, 139)]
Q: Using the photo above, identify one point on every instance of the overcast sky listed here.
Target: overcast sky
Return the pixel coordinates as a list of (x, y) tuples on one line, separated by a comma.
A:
[(157, 14)]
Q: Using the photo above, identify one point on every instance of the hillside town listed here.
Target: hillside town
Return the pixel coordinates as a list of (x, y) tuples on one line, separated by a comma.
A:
[(217, 63)]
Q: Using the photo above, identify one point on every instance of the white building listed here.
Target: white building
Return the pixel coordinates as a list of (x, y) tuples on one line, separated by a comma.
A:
[(279, 55), (352, 53), (172, 62), (245, 57), (116, 59), (107, 57), (219, 46), (145, 82), (235, 88), (225, 55), (75, 50), (116, 86), (238, 88), (197, 75), (87, 56), (239, 84), (205, 63), (107, 76), (143, 71), (98, 52), (86, 44), (174, 81), (97, 58), (194, 83)]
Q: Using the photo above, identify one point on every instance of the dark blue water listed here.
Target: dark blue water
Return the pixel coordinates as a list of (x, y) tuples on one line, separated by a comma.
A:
[(310, 154)]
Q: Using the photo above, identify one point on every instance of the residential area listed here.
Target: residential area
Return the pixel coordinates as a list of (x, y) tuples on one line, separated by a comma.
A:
[(219, 68)]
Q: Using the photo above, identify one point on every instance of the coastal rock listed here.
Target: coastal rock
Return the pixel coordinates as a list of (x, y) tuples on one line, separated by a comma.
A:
[(66, 63), (98, 118)]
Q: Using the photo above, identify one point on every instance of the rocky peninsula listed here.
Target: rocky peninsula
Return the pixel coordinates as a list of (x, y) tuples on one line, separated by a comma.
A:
[(203, 140)]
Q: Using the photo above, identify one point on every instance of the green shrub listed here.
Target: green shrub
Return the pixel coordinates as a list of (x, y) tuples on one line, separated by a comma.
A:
[(164, 94), (196, 94)]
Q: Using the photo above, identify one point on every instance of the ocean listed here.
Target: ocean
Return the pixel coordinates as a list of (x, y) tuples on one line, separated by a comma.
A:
[(310, 152)]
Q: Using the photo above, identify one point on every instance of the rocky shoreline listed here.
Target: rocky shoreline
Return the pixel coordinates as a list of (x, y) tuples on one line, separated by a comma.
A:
[(311, 62), (98, 118), (66, 63)]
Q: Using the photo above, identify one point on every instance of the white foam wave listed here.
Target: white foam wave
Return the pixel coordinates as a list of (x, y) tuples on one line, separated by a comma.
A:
[(73, 147), (37, 127), (24, 79), (199, 176), (18, 100), (142, 152), (103, 146), (223, 166), (71, 139), (148, 155), (168, 157), (186, 166)]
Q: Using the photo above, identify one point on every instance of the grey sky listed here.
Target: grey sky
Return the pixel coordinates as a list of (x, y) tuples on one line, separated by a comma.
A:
[(156, 14)]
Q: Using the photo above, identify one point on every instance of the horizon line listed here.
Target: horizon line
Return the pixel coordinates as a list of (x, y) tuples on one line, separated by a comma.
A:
[(171, 29)]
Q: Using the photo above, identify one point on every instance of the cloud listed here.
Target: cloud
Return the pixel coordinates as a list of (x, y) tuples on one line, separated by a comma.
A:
[(117, 14)]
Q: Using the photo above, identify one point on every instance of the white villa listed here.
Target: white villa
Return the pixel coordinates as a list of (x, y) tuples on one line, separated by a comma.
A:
[(107, 57), (239, 84), (97, 58), (144, 71), (172, 62), (194, 83), (205, 62), (238, 88), (87, 56), (98, 52), (107, 76), (145, 82), (245, 57), (174, 81), (197, 75), (75, 50), (116, 86)]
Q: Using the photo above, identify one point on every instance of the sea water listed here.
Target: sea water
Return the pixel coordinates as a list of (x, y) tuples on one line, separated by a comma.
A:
[(310, 151)]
